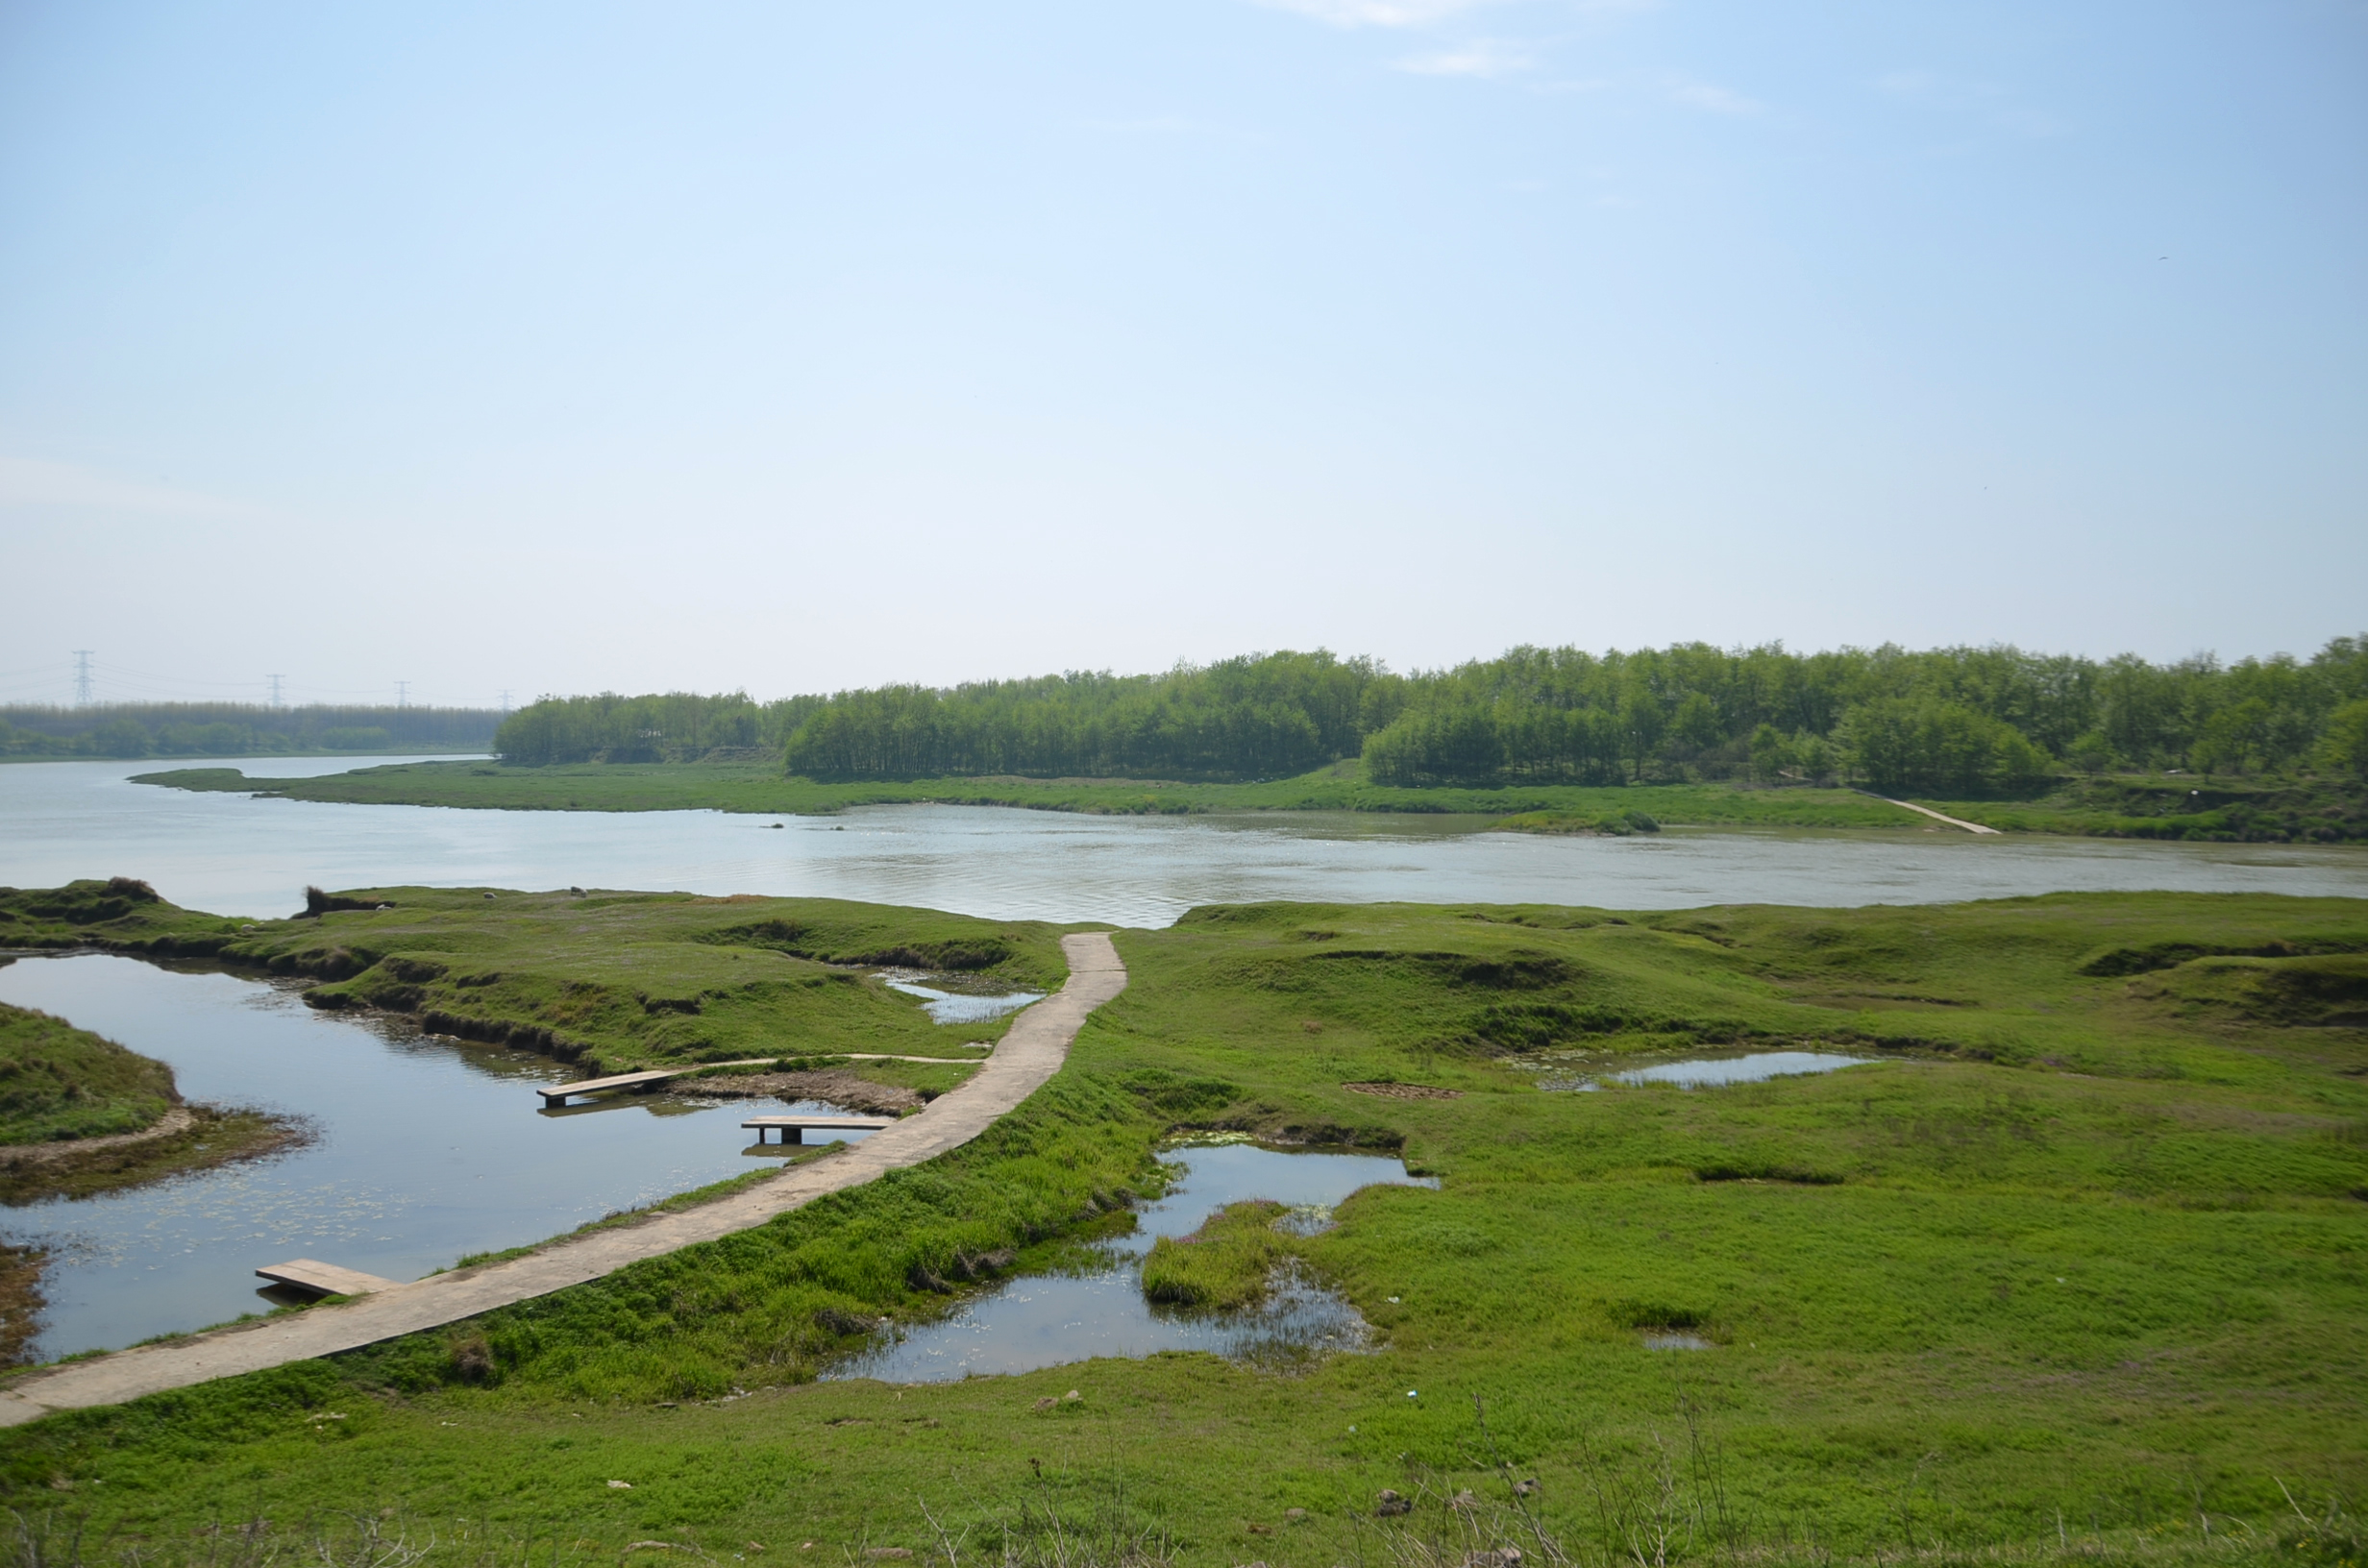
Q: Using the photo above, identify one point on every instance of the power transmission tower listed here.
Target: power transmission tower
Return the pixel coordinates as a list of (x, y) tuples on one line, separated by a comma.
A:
[(403, 693), (275, 691), (505, 699), (82, 677)]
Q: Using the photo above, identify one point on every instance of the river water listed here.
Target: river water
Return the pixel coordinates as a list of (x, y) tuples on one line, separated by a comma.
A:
[(426, 1150), (236, 855)]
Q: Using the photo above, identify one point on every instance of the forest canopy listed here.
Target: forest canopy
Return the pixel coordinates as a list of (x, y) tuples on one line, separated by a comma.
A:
[(673, 727), (238, 729), (1958, 720)]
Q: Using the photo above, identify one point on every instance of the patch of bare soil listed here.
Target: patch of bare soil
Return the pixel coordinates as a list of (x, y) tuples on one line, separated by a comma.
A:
[(834, 1085), (1405, 1092), (20, 1302)]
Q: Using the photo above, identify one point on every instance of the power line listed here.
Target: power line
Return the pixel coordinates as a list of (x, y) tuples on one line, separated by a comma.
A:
[(82, 677), (505, 699), (403, 693), (275, 691)]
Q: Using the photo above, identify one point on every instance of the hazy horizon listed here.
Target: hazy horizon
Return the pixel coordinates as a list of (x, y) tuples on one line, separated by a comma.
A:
[(730, 347)]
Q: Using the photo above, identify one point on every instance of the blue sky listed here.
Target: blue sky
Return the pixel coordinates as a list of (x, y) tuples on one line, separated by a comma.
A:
[(560, 347)]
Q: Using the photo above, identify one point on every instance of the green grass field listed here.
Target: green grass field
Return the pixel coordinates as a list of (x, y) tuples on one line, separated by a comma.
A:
[(2076, 1265)]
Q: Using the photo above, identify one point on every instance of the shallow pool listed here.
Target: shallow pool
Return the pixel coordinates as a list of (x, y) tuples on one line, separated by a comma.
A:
[(1751, 1067), (1054, 1319)]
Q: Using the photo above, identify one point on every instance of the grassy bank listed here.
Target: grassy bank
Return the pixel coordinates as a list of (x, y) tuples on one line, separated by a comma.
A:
[(2183, 808), (2076, 1261), (61, 1083), (764, 791), (609, 981), (2177, 807)]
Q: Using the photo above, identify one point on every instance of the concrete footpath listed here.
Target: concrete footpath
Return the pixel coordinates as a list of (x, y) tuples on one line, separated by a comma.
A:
[(1030, 1053)]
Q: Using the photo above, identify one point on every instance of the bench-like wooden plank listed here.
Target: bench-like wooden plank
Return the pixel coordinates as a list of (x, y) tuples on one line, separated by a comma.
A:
[(325, 1279), (794, 1127), (558, 1093)]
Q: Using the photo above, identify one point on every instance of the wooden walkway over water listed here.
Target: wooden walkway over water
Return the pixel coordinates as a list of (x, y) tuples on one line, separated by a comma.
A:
[(325, 1279), (794, 1128), (558, 1095)]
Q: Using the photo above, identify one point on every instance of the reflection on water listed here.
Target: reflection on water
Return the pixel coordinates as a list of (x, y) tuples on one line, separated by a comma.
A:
[(1050, 1320), (236, 855), (1750, 1068), (948, 1007), (427, 1150), (1694, 1072)]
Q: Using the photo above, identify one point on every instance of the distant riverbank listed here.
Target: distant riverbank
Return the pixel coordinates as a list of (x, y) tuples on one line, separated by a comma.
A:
[(2176, 807)]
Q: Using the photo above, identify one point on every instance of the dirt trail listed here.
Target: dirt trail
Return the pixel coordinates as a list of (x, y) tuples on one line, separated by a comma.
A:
[(1031, 1053), (175, 1120), (1953, 822)]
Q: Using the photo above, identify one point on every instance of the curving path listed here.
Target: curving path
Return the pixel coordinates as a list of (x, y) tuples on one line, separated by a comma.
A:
[(1031, 1052), (1953, 822)]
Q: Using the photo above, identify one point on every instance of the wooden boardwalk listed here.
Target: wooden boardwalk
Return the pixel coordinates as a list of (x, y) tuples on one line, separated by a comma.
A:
[(557, 1094), (794, 1127), (1031, 1053), (324, 1279)]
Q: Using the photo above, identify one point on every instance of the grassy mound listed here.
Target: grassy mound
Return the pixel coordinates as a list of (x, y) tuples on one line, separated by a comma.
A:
[(1225, 1263), (60, 1082)]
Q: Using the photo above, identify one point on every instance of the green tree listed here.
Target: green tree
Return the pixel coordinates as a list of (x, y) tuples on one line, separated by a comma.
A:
[(2344, 749)]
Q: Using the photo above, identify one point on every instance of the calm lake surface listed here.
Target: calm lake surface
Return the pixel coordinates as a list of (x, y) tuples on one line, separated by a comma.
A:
[(235, 855), (424, 1151)]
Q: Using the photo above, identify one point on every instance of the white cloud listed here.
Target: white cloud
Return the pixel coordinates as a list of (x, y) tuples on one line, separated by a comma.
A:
[(1708, 95), (27, 481), (1482, 57), (1377, 13)]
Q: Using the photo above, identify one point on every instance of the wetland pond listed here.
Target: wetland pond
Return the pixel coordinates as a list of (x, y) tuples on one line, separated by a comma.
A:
[(422, 1151), (1707, 1070), (1052, 1319)]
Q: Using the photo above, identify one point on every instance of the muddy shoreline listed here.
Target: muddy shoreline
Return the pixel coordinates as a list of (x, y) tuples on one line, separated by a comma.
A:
[(187, 1138)]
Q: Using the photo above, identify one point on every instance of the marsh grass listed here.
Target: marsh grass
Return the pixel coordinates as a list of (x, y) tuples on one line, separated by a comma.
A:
[(763, 790), (57, 1082), (606, 981), (1225, 1265), (2086, 1287)]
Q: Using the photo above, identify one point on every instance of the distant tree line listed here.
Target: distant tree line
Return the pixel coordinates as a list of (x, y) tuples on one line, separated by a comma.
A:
[(238, 729), (1947, 721), (1959, 720), (1263, 717), (672, 727)]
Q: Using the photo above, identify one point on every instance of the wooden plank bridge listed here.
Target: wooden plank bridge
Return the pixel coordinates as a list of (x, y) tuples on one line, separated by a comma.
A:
[(795, 1128), (557, 1094), (325, 1279)]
